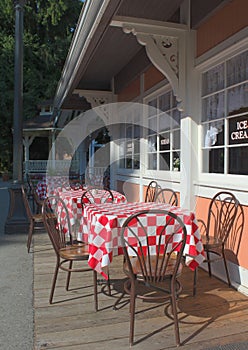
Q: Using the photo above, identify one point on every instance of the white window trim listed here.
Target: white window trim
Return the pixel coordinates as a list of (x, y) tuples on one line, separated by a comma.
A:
[(169, 176), (208, 183)]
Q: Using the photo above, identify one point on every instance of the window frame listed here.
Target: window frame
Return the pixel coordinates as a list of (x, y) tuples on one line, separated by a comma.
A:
[(207, 182), (158, 95), (208, 123)]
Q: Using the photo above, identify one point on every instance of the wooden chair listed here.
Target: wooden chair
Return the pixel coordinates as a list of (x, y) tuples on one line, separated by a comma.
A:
[(38, 201), (152, 271), (35, 220), (29, 190), (222, 211), (67, 252), (97, 195), (166, 195), (151, 191)]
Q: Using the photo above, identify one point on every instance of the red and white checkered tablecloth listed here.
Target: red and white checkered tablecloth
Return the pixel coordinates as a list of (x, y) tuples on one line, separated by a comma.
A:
[(101, 226), (72, 200), (50, 186)]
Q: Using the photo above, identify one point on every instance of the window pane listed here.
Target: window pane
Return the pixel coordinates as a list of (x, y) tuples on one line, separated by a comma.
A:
[(238, 160), (129, 131), (152, 143), (129, 147), (136, 144), (164, 102), (129, 163), (237, 98), (176, 139), (214, 134), (174, 101), (164, 122), (136, 131), (122, 149), (164, 142), (213, 107), (176, 161), (122, 163), (237, 69), (213, 160), (238, 130), (152, 161), (176, 118), (153, 105), (136, 162), (164, 161), (152, 125), (213, 80)]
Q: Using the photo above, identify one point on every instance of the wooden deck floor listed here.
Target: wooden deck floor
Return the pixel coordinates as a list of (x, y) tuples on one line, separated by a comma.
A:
[(217, 315)]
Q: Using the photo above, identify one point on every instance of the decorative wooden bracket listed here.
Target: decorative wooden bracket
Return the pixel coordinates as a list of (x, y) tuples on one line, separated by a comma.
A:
[(100, 99), (165, 45)]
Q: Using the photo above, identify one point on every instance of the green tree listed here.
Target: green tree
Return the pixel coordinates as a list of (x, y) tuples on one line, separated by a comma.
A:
[(48, 30)]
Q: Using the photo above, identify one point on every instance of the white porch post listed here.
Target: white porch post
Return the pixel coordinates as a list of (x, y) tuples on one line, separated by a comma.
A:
[(27, 141), (189, 164), (53, 150)]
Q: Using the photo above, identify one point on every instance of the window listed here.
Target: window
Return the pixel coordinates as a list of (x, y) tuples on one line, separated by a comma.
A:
[(225, 117), (130, 133), (163, 133)]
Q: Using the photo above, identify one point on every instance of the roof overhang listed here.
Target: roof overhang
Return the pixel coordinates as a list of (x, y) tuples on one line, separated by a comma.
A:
[(103, 57)]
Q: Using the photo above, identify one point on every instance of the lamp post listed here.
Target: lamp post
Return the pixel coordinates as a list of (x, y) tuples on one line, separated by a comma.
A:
[(17, 221), (18, 93)]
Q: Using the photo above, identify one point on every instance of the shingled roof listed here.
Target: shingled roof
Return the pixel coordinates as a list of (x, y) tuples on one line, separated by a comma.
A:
[(39, 122)]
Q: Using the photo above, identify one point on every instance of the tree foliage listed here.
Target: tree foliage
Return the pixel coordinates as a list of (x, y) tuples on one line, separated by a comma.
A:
[(48, 30)]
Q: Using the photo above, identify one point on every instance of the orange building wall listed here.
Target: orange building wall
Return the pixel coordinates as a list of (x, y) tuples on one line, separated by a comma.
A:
[(227, 21), (152, 76), (130, 190), (236, 248)]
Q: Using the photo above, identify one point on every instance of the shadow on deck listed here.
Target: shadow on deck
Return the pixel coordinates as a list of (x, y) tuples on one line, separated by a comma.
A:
[(215, 317)]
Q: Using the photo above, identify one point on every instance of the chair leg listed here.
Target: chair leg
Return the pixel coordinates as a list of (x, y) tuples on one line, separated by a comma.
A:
[(132, 314), (108, 283), (95, 289), (68, 276), (195, 281), (54, 281), (175, 315), (227, 272), (209, 264), (30, 234)]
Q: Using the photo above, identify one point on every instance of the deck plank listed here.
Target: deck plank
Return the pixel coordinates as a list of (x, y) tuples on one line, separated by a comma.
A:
[(216, 315)]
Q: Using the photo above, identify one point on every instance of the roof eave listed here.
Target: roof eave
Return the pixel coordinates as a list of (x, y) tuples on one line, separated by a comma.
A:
[(89, 21)]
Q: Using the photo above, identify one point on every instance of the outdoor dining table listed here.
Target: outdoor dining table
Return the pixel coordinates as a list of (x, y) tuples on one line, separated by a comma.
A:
[(72, 200), (50, 185), (101, 224)]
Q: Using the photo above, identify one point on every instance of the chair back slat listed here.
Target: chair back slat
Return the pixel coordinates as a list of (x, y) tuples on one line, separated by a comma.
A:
[(222, 212), (166, 195), (151, 191), (97, 195), (26, 204), (55, 212), (157, 250)]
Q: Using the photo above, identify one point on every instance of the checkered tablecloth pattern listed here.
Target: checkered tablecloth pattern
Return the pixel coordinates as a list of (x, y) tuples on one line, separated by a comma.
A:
[(50, 186), (72, 200), (101, 225)]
